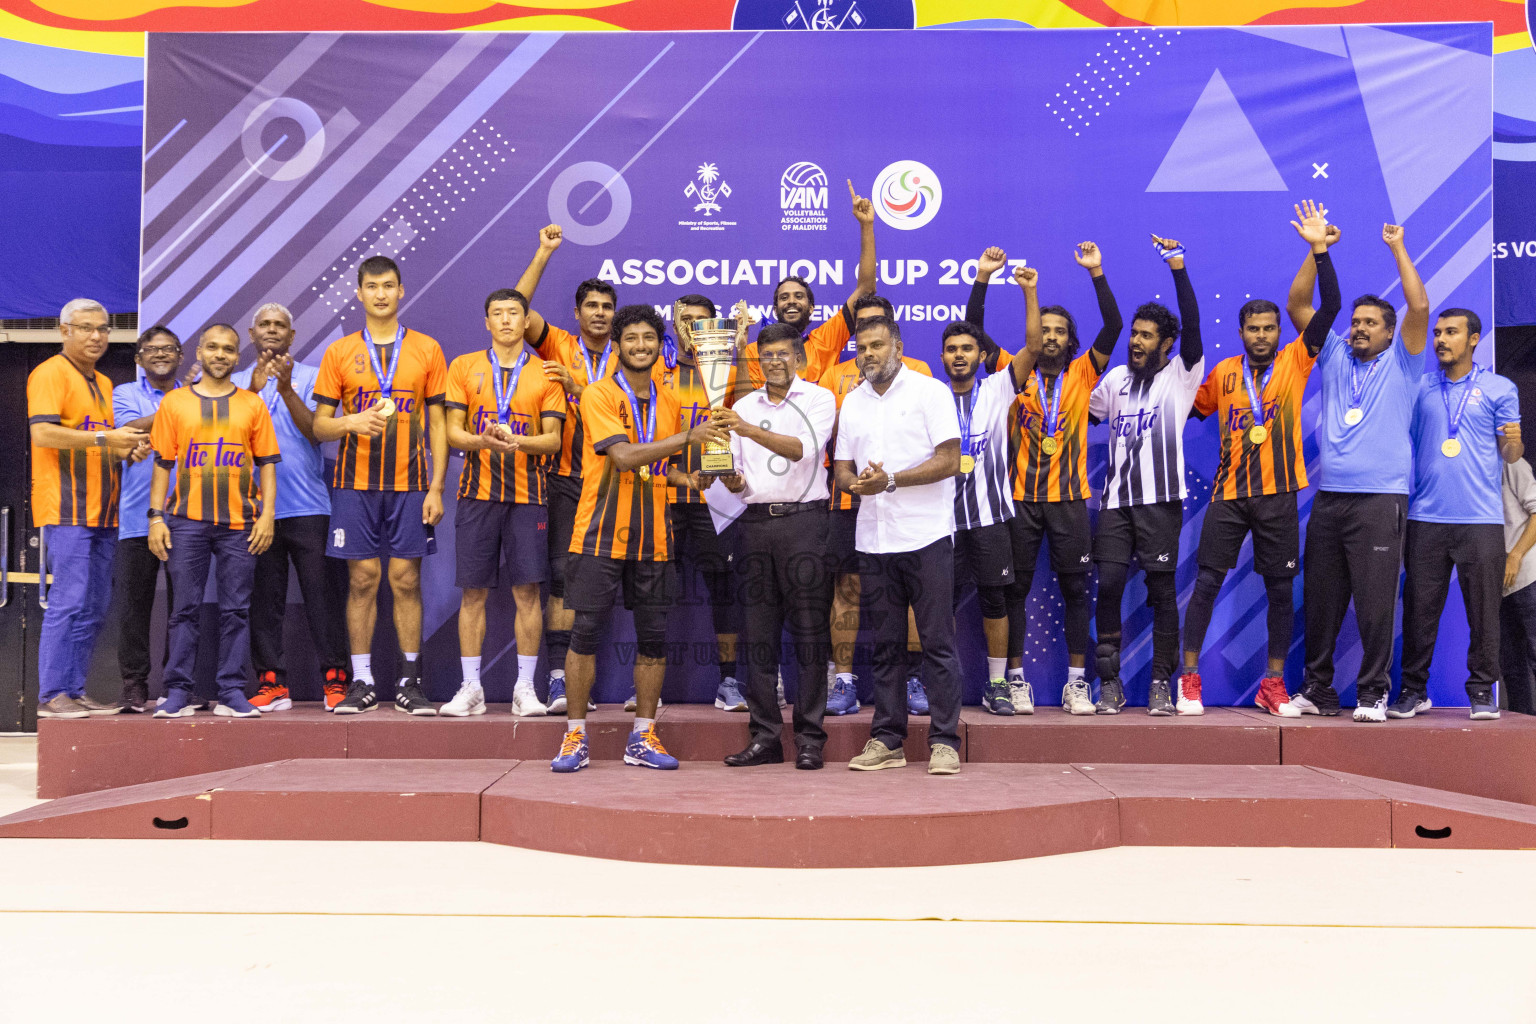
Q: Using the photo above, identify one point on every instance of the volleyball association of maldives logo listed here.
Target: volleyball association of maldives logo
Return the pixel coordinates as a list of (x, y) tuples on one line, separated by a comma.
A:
[(907, 195)]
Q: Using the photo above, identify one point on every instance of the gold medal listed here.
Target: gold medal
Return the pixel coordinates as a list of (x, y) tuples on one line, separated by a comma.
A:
[(1354, 416), (386, 406), (1450, 448), (1048, 445), (644, 472), (1258, 433), (967, 463)]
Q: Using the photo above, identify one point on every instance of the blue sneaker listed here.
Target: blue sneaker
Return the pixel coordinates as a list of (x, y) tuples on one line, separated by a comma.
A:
[(1485, 703), (645, 749), (556, 703), (573, 752), (917, 697), (232, 704), (842, 698), (728, 697), (177, 704)]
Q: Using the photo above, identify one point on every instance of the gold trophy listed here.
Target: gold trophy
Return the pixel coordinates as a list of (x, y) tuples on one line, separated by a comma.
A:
[(714, 352)]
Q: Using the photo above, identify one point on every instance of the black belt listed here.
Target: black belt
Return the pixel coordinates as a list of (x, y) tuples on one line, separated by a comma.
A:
[(784, 508)]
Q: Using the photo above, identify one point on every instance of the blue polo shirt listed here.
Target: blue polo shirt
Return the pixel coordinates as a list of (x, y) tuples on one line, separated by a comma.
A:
[(301, 483), (1466, 488), (1375, 456), (131, 402)]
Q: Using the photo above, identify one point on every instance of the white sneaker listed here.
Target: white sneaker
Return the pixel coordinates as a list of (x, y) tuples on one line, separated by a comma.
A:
[(778, 689), (1376, 712), (525, 702), (1021, 696), (470, 700), (1187, 698), (1076, 698), (631, 703)]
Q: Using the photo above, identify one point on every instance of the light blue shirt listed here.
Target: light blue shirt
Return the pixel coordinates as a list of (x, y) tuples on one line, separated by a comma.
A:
[(1375, 456), (131, 402), (301, 482), (1466, 488)]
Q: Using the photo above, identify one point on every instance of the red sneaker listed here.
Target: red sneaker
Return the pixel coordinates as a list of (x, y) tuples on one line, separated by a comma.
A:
[(336, 682), (1188, 702), (271, 696), (1272, 697)]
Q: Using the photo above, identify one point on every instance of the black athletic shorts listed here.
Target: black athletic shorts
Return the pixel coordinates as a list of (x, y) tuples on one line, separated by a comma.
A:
[(1150, 532), (1276, 532), (564, 496), (485, 532), (1064, 524), (842, 532), (694, 538), (593, 583), (984, 555)]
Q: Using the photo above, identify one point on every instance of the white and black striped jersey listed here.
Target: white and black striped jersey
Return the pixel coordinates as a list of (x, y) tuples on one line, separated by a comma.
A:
[(1146, 431), (984, 495)]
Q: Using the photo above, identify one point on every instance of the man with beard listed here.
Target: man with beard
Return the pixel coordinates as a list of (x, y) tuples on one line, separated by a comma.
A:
[(1050, 471), (1257, 398), (1145, 404), (575, 361), (1355, 534), (793, 304), (1465, 421), (621, 540), (303, 514), (898, 448)]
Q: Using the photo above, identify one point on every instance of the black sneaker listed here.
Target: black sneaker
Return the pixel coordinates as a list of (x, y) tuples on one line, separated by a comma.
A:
[(360, 697), (1485, 706), (1317, 700), (1408, 704), (1111, 698), (409, 698), (1160, 699), (135, 698)]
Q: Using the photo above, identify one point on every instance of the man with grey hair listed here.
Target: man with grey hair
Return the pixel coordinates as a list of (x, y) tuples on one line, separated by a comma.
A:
[(303, 514)]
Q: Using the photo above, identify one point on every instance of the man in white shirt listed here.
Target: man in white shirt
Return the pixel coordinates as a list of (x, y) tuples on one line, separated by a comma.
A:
[(1517, 612), (898, 447), (778, 436)]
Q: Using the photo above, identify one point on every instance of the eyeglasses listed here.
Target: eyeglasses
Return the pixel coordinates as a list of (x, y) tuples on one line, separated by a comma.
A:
[(160, 350), (103, 330)]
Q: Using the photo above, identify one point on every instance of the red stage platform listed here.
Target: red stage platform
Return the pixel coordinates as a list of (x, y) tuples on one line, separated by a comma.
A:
[(1442, 750), (779, 817)]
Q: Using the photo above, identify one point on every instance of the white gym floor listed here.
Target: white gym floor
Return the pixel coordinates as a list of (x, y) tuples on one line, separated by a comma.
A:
[(123, 930)]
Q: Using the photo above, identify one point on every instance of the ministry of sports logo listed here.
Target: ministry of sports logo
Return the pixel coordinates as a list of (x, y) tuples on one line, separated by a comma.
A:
[(803, 198), (907, 195), (708, 188)]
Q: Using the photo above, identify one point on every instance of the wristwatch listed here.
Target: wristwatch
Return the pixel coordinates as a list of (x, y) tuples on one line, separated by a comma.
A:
[(890, 482), (101, 439), (156, 513)]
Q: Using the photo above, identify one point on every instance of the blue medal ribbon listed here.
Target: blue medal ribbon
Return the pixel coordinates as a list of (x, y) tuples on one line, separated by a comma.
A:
[(602, 363), (647, 433), (965, 411), (504, 395), (1050, 415), (386, 380), (1256, 398), (1357, 385), (1453, 418)]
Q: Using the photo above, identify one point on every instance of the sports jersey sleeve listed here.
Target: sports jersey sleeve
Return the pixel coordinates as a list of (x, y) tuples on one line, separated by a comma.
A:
[(1190, 377), (456, 392), (1098, 401), (601, 419), (45, 398), (1506, 407), (1332, 348), (922, 368), (437, 376), (329, 385), (164, 438), (1205, 398), (122, 409), (264, 447), (552, 403), (823, 344)]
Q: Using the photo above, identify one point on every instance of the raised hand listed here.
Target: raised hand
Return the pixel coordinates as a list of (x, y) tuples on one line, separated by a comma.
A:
[(1311, 223), (992, 260), (1026, 277), (550, 238), (1332, 235), (282, 367), (1088, 256), (863, 209), (1392, 234), (559, 372), (259, 372)]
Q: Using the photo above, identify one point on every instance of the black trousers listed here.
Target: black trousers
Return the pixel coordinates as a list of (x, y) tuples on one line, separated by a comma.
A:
[(783, 581), (1354, 551), (133, 583), (1517, 644), (300, 540), (1476, 552), (924, 580)]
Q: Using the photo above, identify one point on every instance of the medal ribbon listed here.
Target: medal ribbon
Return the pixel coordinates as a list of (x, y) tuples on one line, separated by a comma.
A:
[(1357, 385), (965, 410), (647, 433), (504, 395), (602, 363), (386, 381), (1453, 419), (1256, 398), (1050, 414)]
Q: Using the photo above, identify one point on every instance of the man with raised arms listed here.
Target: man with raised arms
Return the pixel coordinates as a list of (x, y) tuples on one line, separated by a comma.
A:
[(1257, 398), (1145, 404), (504, 415), (621, 541), (380, 393), (1355, 535)]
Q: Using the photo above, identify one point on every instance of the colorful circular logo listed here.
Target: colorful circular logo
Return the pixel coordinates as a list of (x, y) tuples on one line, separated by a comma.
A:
[(907, 195)]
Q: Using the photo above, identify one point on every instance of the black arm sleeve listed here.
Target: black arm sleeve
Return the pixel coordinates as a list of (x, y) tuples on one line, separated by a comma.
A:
[(1109, 312), (976, 313), (1191, 348), (1328, 310)]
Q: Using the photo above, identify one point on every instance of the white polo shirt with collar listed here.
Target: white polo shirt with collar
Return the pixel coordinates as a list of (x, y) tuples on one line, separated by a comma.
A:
[(807, 412), (900, 429)]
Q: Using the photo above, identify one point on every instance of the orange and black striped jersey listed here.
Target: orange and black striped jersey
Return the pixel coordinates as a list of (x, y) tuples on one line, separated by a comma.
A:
[(840, 380), (398, 460), (585, 366), (622, 515), (503, 476), (823, 345), (1275, 465), (687, 383), (217, 446), (1062, 476), (72, 486)]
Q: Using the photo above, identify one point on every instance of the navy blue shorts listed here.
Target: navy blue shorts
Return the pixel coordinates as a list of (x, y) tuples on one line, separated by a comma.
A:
[(485, 531), (378, 524)]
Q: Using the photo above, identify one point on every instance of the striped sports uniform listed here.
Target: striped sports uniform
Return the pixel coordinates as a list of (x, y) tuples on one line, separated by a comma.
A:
[(1146, 426), (217, 447), (622, 516), (983, 496), (823, 344), (502, 476), (1062, 476), (72, 486)]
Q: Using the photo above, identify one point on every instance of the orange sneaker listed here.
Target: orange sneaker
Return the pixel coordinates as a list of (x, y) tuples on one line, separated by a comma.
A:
[(335, 687), (271, 696)]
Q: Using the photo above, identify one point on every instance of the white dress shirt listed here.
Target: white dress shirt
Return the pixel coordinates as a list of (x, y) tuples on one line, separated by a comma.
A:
[(807, 412), (900, 429), (1519, 506)]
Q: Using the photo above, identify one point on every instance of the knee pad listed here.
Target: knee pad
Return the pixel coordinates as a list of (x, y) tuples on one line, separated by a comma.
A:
[(585, 633), (1209, 582), (993, 601), (1107, 659), (1074, 586), (1160, 588)]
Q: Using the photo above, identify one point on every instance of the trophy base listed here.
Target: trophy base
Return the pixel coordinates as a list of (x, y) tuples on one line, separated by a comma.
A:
[(717, 464)]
